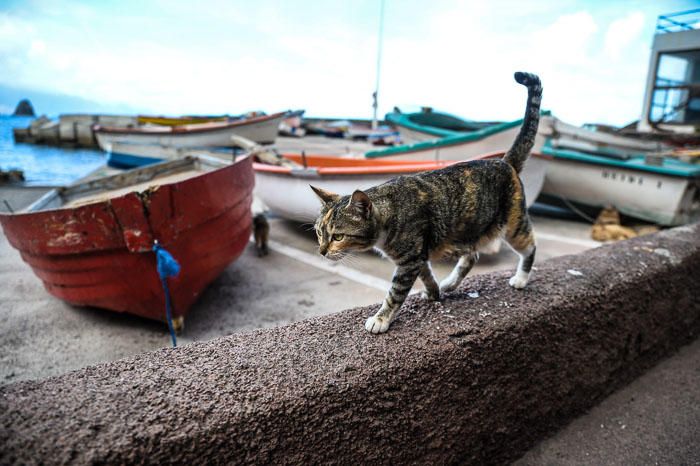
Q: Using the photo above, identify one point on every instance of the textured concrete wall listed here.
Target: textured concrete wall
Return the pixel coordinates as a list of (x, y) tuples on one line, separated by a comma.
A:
[(469, 380)]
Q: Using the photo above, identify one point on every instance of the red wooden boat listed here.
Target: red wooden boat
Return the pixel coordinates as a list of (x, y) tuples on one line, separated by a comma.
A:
[(91, 243)]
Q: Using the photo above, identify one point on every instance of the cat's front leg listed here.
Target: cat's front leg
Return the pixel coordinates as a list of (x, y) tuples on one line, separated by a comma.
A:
[(404, 277)]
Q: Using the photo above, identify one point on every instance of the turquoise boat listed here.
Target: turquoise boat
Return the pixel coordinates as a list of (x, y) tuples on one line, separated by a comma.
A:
[(429, 124)]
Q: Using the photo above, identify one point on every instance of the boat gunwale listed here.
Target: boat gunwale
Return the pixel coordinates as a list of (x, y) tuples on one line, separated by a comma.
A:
[(186, 130), (632, 163), (163, 120), (449, 141), (373, 167), (166, 168), (404, 119)]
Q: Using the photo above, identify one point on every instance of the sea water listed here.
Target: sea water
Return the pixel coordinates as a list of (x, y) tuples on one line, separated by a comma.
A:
[(44, 165)]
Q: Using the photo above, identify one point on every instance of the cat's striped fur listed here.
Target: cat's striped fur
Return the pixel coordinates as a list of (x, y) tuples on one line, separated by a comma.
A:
[(448, 212)]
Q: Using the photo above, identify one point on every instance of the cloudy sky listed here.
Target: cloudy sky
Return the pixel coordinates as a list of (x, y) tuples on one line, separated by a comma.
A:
[(175, 57)]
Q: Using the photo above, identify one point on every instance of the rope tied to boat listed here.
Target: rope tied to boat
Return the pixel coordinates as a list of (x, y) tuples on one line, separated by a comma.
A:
[(167, 267)]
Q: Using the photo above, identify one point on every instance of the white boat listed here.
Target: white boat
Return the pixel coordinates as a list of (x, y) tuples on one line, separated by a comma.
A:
[(285, 190), (262, 129), (598, 169), (658, 189)]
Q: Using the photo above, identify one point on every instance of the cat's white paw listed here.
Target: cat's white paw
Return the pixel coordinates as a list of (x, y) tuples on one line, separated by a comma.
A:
[(425, 295), (447, 287), (449, 284), (519, 280), (377, 324)]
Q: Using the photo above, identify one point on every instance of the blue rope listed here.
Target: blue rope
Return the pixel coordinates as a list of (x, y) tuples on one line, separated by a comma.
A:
[(167, 267)]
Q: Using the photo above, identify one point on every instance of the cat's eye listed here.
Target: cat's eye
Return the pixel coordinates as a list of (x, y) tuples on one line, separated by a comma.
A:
[(337, 237)]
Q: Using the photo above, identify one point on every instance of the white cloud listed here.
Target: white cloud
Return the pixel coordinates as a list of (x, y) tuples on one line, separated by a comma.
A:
[(622, 33), (36, 48), (567, 39), (14, 33)]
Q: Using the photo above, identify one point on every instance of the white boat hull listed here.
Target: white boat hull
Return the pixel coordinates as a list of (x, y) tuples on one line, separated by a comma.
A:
[(258, 131), (658, 198), (410, 136), (290, 196)]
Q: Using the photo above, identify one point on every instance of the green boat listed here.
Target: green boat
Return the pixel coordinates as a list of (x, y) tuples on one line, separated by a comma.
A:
[(429, 124)]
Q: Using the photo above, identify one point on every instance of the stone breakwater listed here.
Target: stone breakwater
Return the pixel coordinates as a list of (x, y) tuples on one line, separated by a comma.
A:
[(69, 130)]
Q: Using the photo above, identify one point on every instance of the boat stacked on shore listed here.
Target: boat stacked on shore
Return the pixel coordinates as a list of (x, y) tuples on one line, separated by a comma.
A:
[(95, 130), (641, 178), (126, 146)]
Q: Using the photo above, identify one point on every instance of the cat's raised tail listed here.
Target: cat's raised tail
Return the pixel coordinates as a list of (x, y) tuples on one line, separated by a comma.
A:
[(520, 150)]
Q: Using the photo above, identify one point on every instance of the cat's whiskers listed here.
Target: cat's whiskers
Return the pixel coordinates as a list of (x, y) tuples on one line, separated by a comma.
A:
[(351, 258)]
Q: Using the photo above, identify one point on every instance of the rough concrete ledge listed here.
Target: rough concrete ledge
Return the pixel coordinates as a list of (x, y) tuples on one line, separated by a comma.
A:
[(470, 380)]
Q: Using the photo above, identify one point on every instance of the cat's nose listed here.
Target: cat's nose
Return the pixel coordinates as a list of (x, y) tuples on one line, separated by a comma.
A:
[(323, 250)]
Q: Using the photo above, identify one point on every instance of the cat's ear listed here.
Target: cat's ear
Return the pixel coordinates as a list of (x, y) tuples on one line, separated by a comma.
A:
[(360, 202), (326, 196)]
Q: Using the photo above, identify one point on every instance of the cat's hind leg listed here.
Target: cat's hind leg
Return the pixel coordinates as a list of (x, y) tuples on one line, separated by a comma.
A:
[(464, 265), (432, 290), (522, 240)]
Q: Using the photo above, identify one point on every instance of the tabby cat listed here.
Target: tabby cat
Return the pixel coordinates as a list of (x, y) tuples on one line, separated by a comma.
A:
[(448, 212)]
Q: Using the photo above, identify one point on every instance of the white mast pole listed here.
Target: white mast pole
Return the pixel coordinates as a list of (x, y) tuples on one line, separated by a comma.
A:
[(375, 95)]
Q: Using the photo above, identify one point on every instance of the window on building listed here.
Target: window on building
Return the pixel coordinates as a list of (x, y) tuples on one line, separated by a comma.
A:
[(676, 95)]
